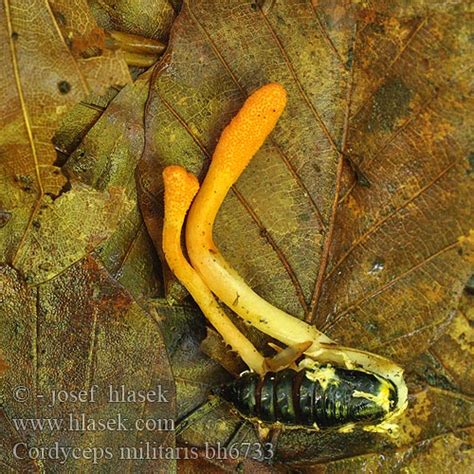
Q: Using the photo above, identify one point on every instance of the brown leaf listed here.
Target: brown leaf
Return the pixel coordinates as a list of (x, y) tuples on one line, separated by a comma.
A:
[(349, 216), (398, 238), (351, 213), (77, 326), (148, 18), (98, 66), (215, 462), (357, 267), (448, 363), (41, 80), (448, 453), (96, 335), (106, 159), (3, 366), (195, 374), (68, 229), (78, 121)]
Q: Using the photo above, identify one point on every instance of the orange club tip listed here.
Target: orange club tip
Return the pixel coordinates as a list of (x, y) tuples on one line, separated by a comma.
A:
[(273, 94), (180, 189), (247, 131)]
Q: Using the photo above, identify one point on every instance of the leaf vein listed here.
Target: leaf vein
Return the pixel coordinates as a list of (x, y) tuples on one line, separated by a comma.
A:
[(247, 207), (328, 240), (301, 90), (399, 55), (382, 221), (389, 284), (326, 36), (271, 141)]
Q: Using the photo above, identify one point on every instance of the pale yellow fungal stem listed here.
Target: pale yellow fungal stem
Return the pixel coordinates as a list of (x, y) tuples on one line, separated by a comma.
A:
[(238, 143), (180, 189), (286, 357)]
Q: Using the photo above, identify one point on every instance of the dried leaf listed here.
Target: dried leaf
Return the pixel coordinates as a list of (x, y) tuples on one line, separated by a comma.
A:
[(99, 66), (195, 374), (42, 80), (448, 363), (143, 19), (105, 159), (3, 366), (78, 326), (55, 339), (215, 462), (148, 18), (68, 229), (355, 215), (351, 213), (448, 453), (77, 123)]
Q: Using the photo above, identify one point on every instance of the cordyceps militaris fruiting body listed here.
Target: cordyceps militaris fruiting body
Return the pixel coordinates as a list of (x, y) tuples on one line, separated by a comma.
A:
[(332, 385)]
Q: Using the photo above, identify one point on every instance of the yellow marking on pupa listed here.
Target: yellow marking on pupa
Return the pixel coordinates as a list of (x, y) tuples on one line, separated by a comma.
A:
[(382, 399), (324, 375)]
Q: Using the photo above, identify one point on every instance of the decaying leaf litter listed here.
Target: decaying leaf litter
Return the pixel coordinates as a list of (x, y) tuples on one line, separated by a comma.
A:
[(377, 268), (67, 323)]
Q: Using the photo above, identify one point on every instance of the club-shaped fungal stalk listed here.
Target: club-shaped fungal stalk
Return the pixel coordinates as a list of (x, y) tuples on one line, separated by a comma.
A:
[(180, 189), (238, 143)]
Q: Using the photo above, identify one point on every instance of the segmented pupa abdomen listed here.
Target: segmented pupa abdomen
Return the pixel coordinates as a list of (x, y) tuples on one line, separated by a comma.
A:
[(326, 396)]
